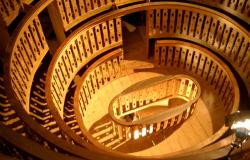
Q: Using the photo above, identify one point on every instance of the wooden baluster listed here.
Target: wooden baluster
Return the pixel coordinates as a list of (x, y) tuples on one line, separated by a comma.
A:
[(23, 59), (99, 37), (185, 22), (202, 62), (71, 61), (82, 105), (225, 38), (189, 60), (242, 55), (230, 43), (212, 31), (111, 31), (212, 72), (92, 40), (218, 36), (105, 75), (247, 9), (221, 81), (183, 58), (216, 77), (157, 56), (172, 21), (122, 104), (236, 47), (165, 20), (188, 87), (163, 56), (89, 85), (205, 31), (86, 44), (75, 10), (179, 119), (81, 53), (135, 99), (84, 98), (178, 21), (110, 70), (239, 6), (206, 68), (94, 81), (99, 77), (105, 33), (225, 89), (119, 30), (116, 108), (176, 57), (150, 21), (192, 27), (195, 63), (68, 11), (158, 126), (199, 27), (127, 102), (87, 92), (170, 56), (75, 54), (65, 67), (158, 21), (181, 88)]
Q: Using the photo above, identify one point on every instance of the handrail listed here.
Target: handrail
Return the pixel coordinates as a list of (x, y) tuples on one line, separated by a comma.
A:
[(74, 54), (26, 49), (72, 13), (124, 11), (221, 80), (164, 115), (9, 10), (129, 11), (210, 68), (28, 24), (81, 99), (206, 27)]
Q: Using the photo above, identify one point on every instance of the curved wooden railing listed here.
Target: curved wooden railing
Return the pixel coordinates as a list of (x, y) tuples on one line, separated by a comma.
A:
[(82, 47), (59, 86), (206, 27), (159, 92), (26, 51), (79, 50), (9, 10), (201, 62), (99, 74), (73, 12)]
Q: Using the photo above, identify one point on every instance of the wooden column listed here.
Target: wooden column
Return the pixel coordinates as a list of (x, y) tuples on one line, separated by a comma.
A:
[(56, 22), (5, 37)]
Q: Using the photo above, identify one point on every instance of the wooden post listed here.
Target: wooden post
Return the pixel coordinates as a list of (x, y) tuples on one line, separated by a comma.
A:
[(5, 37), (56, 22)]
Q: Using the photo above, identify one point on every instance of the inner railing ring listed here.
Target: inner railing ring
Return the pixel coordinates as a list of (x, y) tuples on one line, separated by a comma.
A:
[(127, 111)]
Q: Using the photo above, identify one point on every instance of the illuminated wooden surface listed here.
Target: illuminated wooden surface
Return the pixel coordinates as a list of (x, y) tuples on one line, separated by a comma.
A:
[(239, 43), (195, 130)]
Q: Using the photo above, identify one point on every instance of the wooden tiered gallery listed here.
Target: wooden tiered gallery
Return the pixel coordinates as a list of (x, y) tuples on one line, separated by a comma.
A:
[(77, 83)]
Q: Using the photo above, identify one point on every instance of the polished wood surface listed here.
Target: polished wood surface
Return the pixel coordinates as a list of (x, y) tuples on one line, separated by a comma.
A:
[(28, 45)]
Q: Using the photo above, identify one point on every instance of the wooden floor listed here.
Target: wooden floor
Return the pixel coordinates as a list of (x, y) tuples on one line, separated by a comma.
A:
[(207, 119)]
